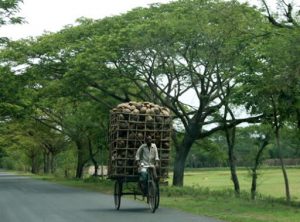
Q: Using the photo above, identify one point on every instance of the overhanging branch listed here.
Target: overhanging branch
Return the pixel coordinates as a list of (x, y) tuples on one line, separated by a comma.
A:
[(230, 124)]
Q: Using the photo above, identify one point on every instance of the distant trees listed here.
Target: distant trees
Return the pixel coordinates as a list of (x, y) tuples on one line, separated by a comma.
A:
[(55, 101), (274, 86), (223, 56)]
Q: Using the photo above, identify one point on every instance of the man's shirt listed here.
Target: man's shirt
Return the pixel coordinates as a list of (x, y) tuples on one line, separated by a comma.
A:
[(146, 156)]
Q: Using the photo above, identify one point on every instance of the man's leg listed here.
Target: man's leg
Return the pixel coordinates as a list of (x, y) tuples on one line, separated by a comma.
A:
[(143, 179), (154, 173)]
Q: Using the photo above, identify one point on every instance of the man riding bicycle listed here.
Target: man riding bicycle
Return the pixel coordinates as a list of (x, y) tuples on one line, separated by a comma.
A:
[(146, 156)]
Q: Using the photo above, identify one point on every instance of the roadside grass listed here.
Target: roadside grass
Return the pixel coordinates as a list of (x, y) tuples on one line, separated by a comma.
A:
[(90, 183), (225, 206), (269, 183), (217, 201)]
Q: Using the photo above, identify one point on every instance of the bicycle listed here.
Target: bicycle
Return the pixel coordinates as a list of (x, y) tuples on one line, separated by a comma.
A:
[(152, 194)]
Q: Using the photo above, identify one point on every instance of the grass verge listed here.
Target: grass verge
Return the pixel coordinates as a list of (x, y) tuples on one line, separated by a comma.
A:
[(221, 204), (225, 206)]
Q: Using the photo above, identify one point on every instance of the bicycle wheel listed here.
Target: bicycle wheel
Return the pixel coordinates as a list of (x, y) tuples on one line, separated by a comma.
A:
[(152, 196), (117, 194), (157, 199)]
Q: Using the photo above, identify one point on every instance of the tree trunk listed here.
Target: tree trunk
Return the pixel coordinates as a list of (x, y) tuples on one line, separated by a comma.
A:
[(80, 166), (102, 168), (178, 170), (298, 118), (66, 171), (277, 137), (285, 176), (96, 165), (230, 138), (265, 142), (181, 154), (80, 160), (45, 162), (34, 168), (48, 156), (52, 170), (253, 184)]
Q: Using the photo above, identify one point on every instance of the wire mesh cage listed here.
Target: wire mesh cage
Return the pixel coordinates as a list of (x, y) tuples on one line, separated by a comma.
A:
[(130, 124)]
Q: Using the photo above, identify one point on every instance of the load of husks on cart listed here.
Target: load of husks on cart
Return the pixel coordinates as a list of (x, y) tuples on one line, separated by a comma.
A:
[(130, 124)]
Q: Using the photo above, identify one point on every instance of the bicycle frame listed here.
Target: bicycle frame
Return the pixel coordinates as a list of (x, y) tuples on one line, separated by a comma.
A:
[(153, 196), (153, 189)]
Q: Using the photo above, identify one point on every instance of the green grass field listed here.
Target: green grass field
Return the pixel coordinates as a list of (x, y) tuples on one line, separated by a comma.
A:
[(209, 192), (270, 181)]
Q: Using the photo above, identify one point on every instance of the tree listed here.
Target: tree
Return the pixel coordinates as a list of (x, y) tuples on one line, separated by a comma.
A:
[(258, 138), (287, 19), (51, 142), (272, 88), (20, 146), (163, 60), (57, 96), (207, 152), (197, 53), (80, 123), (8, 8)]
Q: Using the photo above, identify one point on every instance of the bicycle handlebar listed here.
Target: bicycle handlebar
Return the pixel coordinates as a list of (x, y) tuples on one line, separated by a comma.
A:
[(147, 166)]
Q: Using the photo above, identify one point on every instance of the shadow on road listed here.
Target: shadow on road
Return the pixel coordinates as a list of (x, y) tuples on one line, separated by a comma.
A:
[(125, 210)]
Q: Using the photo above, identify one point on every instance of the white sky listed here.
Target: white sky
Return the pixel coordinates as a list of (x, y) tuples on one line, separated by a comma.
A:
[(53, 15)]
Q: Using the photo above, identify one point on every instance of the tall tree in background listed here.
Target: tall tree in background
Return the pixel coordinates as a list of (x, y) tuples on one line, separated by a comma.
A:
[(286, 18), (8, 9), (166, 52), (21, 146), (273, 90), (55, 100), (285, 68), (9, 83), (185, 47), (262, 138)]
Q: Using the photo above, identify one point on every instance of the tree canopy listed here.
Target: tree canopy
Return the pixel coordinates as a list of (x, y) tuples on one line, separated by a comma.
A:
[(224, 55)]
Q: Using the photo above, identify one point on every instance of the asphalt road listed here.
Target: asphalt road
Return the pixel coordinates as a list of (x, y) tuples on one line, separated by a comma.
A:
[(23, 199)]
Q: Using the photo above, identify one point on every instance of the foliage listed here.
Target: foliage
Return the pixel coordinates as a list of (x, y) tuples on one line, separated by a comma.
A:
[(207, 153), (221, 52), (7, 10)]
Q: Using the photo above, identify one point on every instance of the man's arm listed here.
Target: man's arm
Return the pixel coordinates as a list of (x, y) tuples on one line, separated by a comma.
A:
[(156, 152), (138, 154), (156, 156)]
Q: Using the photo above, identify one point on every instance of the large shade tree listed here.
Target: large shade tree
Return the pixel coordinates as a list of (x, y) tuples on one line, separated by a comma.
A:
[(170, 51), (9, 83), (273, 86)]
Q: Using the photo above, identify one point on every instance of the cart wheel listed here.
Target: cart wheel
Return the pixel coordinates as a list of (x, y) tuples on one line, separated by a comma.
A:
[(118, 194), (153, 197)]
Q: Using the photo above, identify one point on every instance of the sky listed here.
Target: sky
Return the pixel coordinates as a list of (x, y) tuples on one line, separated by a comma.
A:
[(53, 15)]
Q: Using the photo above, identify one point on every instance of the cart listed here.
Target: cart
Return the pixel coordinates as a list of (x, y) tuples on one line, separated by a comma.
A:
[(127, 130), (152, 195)]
